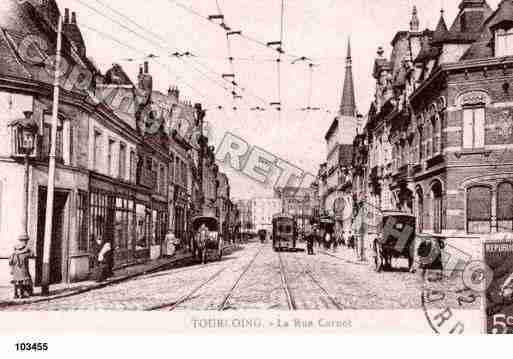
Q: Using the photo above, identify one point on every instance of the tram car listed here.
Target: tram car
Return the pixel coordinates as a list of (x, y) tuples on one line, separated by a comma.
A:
[(284, 232), (262, 235), (206, 238)]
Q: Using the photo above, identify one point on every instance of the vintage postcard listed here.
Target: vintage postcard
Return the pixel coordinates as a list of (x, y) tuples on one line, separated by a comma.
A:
[(253, 167)]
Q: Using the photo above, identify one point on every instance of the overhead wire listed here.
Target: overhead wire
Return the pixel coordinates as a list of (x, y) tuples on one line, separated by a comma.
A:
[(146, 38), (242, 35)]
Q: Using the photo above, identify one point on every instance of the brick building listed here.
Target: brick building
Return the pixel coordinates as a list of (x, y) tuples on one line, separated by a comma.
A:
[(440, 130), (118, 176)]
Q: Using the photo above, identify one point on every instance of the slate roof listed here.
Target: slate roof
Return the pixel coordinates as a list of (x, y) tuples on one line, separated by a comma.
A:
[(503, 15), (468, 24)]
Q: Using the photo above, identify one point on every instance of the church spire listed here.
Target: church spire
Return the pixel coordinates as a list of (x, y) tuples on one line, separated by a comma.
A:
[(415, 22), (441, 29), (348, 104)]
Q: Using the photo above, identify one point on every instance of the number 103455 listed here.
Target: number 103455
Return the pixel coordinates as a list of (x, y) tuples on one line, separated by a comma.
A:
[(37, 347)]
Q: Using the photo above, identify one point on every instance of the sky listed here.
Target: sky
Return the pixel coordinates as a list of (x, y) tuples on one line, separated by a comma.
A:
[(131, 30)]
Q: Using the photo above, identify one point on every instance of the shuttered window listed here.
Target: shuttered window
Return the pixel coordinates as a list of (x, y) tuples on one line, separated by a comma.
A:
[(479, 209), (473, 128)]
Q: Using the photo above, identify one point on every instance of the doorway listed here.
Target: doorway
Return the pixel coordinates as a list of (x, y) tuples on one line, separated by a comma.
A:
[(57, 259)]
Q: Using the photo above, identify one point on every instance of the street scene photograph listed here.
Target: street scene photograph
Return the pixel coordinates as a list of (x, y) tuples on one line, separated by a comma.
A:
[(271, 155)]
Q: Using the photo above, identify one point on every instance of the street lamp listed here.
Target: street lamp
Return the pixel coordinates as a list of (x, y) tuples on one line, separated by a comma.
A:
[(23, 134)]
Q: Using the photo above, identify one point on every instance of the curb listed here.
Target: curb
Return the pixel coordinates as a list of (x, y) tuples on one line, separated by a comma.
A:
[(95, 286)]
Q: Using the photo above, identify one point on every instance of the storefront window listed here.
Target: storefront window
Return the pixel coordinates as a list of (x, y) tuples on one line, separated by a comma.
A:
[(98, 216), (121, 223), (143, 222)]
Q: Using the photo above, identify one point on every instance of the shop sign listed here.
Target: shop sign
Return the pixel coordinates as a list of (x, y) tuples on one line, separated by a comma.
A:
[(147, 178)]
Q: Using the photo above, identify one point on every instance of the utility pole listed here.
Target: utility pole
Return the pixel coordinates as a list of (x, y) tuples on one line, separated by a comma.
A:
[(45, 288), (200, 114)]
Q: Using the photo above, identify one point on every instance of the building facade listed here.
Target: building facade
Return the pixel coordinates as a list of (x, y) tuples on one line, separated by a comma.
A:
[(439, 136), (300, 203), (264, 210), (125, 153)]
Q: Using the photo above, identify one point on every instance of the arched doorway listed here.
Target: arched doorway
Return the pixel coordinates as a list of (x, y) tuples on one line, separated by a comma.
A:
[(437, 203)]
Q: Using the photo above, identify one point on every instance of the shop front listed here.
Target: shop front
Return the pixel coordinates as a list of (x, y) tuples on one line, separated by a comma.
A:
[(122, 215)]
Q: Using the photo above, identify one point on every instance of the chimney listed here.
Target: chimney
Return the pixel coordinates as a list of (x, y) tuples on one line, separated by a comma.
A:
[(140, 69), (146, 67), (73, 18), (66, 16)]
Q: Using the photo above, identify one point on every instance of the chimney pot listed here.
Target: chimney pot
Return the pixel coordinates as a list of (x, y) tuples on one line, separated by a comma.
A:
[(66, 15), (146, 67), (73, 18), (140, 69)]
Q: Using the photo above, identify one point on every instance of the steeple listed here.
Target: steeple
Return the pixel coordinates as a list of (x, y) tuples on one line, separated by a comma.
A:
[(415, 22), (348, 104), (441, 29)]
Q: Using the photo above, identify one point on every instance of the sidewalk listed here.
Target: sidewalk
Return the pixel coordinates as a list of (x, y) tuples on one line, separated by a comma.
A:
[(343, 253), (62, 290)]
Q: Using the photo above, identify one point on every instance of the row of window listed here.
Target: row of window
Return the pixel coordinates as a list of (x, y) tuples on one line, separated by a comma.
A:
[(115, 160), (428, 140), (481, 216)]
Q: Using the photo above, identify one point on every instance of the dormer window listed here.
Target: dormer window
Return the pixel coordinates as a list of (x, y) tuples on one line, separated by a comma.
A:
[(504, 42)]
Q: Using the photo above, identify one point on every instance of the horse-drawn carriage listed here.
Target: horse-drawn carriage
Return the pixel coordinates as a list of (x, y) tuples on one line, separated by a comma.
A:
[(206, 238), (396, 239)]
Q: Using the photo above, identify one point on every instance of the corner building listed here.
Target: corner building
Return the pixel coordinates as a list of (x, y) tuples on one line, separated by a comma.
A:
[(440, 130)]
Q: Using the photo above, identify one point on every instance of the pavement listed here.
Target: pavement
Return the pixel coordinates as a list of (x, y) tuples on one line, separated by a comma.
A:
[(63, 290), (253, 277)]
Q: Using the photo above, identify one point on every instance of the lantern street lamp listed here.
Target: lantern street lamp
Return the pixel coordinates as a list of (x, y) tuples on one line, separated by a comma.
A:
[(23, 134)]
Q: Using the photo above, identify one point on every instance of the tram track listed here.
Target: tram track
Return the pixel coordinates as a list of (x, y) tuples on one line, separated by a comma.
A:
[(313, 279), (173, 305), (285, 284), (224, 304)]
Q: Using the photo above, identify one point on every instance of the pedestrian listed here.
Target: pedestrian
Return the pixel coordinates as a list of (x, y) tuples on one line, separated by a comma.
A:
[(327, 240), (172, 244), (335, 241), (19, 263), (376, 254), (311, 239), (105, 259)]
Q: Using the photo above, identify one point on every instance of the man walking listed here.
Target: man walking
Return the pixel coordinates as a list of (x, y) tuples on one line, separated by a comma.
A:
[(310, 239)]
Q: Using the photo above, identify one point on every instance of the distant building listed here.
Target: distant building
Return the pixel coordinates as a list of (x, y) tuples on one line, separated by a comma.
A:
[(335, 175), (301, 203), (263, 211), (245, 208)]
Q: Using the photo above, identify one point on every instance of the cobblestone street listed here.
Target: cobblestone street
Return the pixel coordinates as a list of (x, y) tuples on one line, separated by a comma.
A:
[(255, 277)]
